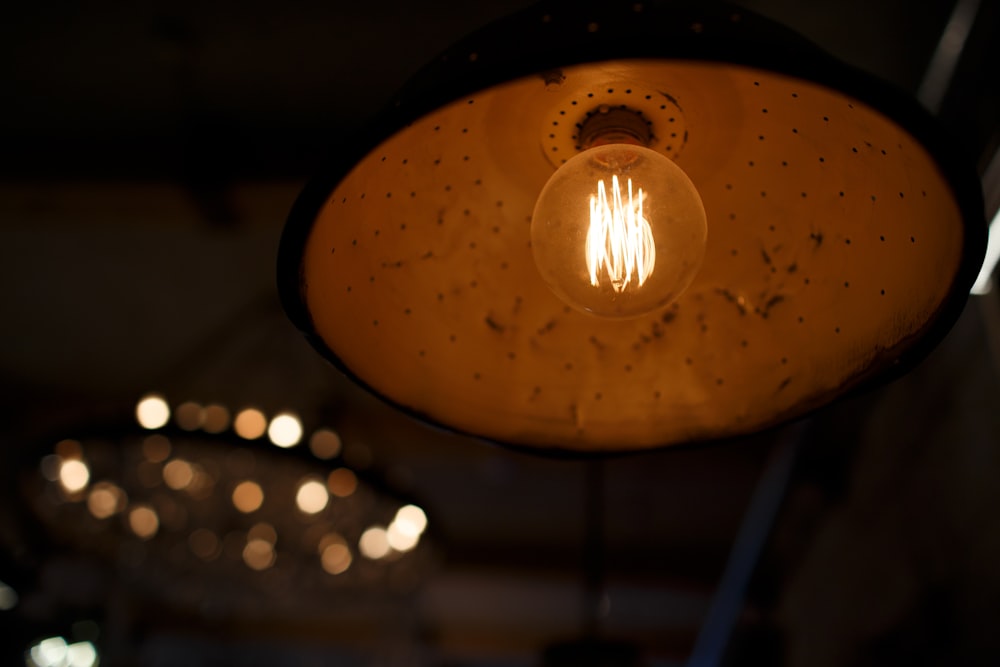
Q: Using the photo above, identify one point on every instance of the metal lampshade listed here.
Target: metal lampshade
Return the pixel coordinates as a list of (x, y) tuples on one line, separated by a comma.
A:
[(843, 233)]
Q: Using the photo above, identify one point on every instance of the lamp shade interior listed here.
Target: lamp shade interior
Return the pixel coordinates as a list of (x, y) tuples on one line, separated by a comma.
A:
[(834, 242)]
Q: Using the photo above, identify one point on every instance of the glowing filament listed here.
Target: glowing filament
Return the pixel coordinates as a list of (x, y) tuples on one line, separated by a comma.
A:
[(620, 239)]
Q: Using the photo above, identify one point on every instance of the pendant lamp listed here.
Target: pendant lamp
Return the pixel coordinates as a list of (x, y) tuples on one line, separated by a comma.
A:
[(629, 226)]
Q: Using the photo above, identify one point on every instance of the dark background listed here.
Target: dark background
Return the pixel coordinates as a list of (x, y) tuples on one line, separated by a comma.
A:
[(150, 153)]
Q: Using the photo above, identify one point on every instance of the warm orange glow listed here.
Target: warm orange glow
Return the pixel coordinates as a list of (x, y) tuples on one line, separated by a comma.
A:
[(618, 231), (143, 521), (620, 245), (312, 496), (201, 483), (324, 444), (156, 448), (328, 539), (263, 531), (189, 416), (250, 424), (401, 537), (336, 558), (152, 411), (204, 544), (411, 520), (178, 474), (285, 430), (258, 554), (216, 419), (74, 475), (374, 543), (342, 482), (69, 449), (106, 499), (248, 496)]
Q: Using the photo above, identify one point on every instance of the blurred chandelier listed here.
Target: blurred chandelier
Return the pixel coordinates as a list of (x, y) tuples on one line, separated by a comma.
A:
[(196, 511), (633, 225)]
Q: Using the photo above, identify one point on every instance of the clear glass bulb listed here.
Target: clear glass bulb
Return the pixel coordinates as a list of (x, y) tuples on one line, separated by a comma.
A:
[(618, 231)]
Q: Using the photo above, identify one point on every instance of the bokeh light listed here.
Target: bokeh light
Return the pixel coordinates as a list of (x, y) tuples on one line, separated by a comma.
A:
[(49, 652), (143, 521), (324, 444), (400, 537), (374, 543), (178, 474), (152, 411), (285, 430), (69, 449), (204, 544), (336, 558), (263, 531), (250, 424), (74, 475), (411, 520), (8, 597), (312, 496), (216, 419), (106, 499), (248, 496), (342, 482), (50, 467), (81, 654), (156, 448), (258, 554), (189, 416), (54, 652), (201, 483)]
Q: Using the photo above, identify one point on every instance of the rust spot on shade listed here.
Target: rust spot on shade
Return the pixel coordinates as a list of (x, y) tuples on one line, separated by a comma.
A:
[(493, 324)]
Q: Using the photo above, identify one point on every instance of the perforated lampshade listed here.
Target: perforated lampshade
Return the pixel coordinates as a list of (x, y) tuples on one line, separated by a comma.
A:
[(843, 234)]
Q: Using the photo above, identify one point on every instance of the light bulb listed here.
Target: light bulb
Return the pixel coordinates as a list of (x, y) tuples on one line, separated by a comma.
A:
[(618, 231)]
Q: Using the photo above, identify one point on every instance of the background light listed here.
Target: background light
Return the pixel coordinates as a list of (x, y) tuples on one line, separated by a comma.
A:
[(411, 519), (74, 475), (106, 499), (250, 424), (216, 418), (69, 449), (204, 544), (50, 467), (258, 554), (324, 444), (342, 482), (402, 538), (312, 496), (285, 430), (336, 558), (152, 411), (81, 654), (143, 521), (156, 448), (49, 652), (178, 474), (263, 531), (54, 652), (374, 543), (8, 597), (248, 496), (189, 416)]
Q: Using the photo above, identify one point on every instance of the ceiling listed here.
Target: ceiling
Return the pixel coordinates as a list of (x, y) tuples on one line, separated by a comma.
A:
[(153, 151)]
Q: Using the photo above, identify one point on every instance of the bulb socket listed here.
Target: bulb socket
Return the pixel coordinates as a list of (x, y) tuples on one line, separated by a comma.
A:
[(614, 125)]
